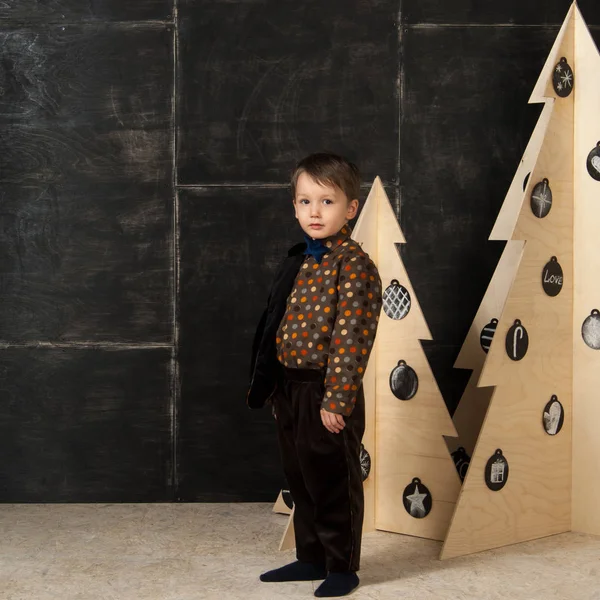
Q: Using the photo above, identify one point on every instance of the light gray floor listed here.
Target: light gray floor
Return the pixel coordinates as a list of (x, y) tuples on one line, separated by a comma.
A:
[(216, 551)]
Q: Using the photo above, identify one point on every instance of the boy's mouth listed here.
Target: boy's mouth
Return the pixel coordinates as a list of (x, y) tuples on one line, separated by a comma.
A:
[(315, 226)]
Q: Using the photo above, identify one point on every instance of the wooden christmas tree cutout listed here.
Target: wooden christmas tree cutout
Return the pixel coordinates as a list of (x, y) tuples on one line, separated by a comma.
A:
[(411, 466), (535, 468)]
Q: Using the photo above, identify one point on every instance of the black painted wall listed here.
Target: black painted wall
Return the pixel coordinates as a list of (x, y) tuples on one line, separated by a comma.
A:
[(144, 156)]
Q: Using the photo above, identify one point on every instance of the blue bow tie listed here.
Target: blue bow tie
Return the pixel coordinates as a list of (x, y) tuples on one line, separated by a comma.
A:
[(315, 248)]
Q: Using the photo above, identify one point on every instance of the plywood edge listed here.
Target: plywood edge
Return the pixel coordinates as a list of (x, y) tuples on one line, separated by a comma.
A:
[(288, 539)]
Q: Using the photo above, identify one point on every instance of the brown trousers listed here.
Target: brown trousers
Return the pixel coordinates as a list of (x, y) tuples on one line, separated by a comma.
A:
[(323, 471)]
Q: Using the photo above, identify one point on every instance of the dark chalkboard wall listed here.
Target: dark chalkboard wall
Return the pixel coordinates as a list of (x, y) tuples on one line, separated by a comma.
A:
[(144, 154)]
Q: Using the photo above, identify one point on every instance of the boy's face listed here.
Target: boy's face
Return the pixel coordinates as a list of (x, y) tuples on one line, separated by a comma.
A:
[(322, 210)]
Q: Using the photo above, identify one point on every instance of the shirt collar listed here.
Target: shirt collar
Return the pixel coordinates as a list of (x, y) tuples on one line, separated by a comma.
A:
[(334, 241)]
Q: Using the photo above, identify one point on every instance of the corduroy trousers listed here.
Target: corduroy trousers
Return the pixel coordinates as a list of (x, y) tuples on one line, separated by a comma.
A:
[(322, 469)]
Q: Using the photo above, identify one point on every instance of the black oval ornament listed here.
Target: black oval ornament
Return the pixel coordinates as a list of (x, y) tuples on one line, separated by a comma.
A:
[(287, 498), (541, 199), (590, 330), (417, 499), (487, 335), (563, 78), (404, 382), (552, 277), (461, 462), (517, 341), (593, 162), (365, 462), (496, 471), (396, 301), (553, 417)]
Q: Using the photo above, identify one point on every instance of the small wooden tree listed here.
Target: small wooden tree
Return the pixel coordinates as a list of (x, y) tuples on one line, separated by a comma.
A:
[(413, 485)]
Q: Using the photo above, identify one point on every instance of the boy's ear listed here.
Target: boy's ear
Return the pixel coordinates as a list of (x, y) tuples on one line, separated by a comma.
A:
[(352, 209)]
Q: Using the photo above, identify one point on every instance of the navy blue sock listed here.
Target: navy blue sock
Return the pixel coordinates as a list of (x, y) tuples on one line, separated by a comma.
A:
[(337, 584), (296, 571)]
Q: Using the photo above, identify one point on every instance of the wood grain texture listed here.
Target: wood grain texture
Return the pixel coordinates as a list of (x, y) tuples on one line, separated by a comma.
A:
[(85, 425), (514, 12), (86, 184), (536, 500), (586, 375), (232, 240), (68, 11), (283, 79)]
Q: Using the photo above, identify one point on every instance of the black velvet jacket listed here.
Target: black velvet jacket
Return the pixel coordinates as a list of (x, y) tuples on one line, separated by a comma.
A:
[(264, 365)]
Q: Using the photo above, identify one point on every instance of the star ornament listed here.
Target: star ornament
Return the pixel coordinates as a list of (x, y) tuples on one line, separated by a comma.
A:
[(416, 502)]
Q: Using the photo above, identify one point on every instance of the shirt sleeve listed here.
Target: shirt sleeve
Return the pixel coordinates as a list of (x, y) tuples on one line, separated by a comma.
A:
[(353, 335)]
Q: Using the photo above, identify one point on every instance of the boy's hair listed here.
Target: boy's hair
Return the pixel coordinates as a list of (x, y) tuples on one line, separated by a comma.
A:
[(329, 169)]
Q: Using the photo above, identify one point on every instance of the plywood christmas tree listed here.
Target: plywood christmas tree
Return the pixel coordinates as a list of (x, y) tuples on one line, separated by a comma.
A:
[(535, 468), (414, 485)]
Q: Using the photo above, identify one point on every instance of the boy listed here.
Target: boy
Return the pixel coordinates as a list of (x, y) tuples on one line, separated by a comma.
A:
[(310, 353)]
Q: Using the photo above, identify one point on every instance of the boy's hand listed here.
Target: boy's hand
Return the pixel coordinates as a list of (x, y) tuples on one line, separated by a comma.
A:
[(332, 421)]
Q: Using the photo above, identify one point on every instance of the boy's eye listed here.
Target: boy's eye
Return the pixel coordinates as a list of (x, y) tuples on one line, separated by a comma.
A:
[(328, 201), (304, 201)]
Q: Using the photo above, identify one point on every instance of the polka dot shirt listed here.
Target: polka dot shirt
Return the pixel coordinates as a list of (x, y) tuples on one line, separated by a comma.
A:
[(331, 319)]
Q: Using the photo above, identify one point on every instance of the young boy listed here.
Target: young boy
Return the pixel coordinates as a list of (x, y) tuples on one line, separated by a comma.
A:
[(310, 353)]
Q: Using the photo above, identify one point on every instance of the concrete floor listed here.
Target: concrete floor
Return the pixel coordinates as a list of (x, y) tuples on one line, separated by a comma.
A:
[(216, 551)]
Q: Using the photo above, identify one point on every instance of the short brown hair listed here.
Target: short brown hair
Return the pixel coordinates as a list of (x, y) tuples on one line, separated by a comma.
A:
[(329, 169)]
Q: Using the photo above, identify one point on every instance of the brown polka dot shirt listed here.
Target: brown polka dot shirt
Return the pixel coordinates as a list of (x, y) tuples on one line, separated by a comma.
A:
[(331, 319)]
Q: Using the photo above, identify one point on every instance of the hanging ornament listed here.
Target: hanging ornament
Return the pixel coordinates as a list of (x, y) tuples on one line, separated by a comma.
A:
[(417, 499), (593, 162), (461, 462), (396, 301), (287, 498), (365, 462), (526, 181), (496, 471), (517, 341), (552, 277), (553, 417), (563, 78), (404, 382), (541, 199), (487, 335), (590, 330)]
